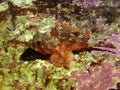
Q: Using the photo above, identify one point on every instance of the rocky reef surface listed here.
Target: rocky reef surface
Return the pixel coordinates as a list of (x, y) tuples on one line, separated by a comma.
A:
[(22, 68)]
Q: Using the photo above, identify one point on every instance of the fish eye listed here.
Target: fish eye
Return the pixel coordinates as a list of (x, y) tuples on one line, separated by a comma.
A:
[(38, 43)]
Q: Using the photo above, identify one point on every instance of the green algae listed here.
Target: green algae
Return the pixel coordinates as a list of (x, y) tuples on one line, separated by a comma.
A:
[(37, 73)]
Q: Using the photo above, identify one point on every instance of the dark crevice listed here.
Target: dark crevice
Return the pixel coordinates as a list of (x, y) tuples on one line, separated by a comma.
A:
[(90, 49), (30, 55)]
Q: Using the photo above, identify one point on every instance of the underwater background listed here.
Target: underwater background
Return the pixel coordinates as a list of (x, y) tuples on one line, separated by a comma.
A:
[(22, 68)]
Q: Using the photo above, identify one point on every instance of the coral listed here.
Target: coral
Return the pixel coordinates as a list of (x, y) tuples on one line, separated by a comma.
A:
[(56, 30), (90, 2), (76, 2), (98, 78), (114, 40)]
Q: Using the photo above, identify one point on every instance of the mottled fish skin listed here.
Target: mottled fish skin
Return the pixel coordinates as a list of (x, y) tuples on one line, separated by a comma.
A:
[(60, 43)]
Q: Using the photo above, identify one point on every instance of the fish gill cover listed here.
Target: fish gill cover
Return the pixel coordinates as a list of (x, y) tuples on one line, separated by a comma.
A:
[(60, 45)]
